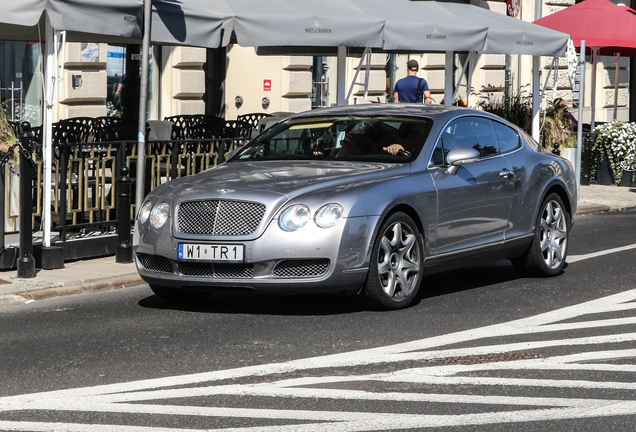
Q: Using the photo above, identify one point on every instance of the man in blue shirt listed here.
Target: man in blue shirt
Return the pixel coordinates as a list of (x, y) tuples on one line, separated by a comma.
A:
[(411, 88)]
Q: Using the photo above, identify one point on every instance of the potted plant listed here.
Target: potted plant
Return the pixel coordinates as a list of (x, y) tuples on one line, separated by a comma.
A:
[(557, 127), (614, 145)]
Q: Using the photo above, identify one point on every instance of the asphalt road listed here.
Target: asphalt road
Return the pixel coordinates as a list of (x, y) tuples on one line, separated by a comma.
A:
[(482, 350)]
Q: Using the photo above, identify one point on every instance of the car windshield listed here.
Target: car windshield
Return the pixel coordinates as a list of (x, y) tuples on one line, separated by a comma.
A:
[(340, 138)]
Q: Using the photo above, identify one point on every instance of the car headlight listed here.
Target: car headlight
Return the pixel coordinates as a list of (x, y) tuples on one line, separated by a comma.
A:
[(329, 215), (294, 217), (144, 213), (159, 215)]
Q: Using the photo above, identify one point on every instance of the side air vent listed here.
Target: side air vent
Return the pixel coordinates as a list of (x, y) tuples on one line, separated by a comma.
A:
[(155, 263), (301, 268)]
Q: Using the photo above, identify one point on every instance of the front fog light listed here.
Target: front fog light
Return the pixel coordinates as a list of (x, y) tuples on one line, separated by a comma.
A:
[(329, 215), (294, 217), (144, 213), (159, 215)]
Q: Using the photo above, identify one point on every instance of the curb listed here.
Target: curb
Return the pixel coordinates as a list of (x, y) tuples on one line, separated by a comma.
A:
[(82, 287), (593, 209), (600, 208)]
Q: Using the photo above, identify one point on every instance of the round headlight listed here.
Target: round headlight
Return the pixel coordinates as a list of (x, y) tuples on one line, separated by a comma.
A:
[(159, 215), (144, 213), (329, 215), (294, 217)]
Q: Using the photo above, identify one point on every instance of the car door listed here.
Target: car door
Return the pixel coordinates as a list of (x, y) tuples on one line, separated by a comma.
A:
[(473, 204)]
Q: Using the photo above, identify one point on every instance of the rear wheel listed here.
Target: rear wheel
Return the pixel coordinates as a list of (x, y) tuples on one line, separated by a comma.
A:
[(397, 260), (174, 295), (546, 256)]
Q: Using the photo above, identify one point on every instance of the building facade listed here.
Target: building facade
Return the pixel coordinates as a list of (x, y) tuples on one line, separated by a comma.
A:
[(180, 78)]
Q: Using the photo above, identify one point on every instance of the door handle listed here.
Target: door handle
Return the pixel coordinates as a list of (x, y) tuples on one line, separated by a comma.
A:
[(506, 173)]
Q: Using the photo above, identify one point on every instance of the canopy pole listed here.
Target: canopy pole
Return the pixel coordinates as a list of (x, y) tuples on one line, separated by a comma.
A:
[(579, 131), (47, 131), (536, 98), (342, 75), (466, 67), (618, 66), (143, 101), (536, 81), (474, 58), (448, 75), (593, 89)]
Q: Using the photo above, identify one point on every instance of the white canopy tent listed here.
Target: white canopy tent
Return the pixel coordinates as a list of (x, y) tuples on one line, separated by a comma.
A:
[(55, 22)]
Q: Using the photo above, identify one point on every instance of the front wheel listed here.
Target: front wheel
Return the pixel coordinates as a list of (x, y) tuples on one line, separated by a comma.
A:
[(397, 261), (546, 256)]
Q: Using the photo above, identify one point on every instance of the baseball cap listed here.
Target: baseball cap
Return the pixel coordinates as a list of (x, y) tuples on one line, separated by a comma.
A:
[(412, 65)]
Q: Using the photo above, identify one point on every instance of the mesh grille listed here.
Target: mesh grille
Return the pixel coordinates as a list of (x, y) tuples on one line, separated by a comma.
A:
[(217, 270), (155, 263), (301, 268), (218, 217), (195, 269)]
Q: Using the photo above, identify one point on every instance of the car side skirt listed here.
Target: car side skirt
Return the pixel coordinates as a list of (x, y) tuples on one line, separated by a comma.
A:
[(507, 249)]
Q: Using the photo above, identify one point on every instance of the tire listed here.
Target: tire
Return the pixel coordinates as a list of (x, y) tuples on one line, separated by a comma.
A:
[(397, 259), (174, 295), (548, 251)]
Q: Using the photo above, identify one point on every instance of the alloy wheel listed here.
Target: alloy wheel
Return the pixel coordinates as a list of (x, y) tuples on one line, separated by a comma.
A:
[(553, 234), (399, 261)]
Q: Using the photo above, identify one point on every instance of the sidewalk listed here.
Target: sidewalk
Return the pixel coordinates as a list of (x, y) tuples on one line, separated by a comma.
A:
[(104, 273)]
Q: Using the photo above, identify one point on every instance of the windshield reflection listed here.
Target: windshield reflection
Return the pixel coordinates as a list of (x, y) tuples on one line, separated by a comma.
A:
[(376, 139)]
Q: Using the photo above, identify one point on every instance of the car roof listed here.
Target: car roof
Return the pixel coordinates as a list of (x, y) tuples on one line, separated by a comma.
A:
[(435, 112)]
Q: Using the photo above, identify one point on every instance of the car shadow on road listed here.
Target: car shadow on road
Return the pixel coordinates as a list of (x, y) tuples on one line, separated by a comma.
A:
[(263, 304), (468, 278), (336, 304)]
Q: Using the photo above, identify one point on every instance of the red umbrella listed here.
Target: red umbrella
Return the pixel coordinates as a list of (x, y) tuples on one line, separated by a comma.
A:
[(607, 28), (600, 23)]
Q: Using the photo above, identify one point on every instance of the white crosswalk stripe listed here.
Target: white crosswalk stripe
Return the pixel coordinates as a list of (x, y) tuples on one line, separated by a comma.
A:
[(436, 370)]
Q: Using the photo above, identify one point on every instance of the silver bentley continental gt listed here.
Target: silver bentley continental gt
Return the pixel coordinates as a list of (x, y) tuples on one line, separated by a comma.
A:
[(360, 199)]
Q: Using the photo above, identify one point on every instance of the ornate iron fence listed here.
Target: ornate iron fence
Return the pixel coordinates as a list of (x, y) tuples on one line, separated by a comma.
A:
[(84, 184)]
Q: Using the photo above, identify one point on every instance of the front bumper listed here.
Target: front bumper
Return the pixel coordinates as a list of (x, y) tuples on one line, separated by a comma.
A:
[(309, 260)]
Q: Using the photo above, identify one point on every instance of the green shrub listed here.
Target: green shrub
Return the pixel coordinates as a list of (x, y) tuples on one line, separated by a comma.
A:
[(517, 109)]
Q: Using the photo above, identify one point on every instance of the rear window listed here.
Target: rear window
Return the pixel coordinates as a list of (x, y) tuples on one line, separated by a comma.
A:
[(507, 137)]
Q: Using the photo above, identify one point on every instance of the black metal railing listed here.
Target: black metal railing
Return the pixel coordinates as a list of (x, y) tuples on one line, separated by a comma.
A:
[(84, 187)]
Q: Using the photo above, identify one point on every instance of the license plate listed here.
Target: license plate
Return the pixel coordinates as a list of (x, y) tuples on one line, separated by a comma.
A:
[(211, 252)]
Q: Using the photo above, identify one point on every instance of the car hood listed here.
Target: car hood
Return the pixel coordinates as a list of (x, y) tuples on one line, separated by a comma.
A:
[(258, 179)]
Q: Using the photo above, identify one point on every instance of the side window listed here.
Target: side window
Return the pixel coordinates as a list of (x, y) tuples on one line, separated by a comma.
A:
[(508, 138), (473, 132)]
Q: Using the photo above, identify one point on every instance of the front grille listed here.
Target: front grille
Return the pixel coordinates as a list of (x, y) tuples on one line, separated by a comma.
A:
[(219, 217), (225, 271), (155, 263), (301, 268)]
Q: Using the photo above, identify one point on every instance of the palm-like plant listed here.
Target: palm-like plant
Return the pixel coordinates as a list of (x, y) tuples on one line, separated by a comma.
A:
[(558, 125), (7, 134)]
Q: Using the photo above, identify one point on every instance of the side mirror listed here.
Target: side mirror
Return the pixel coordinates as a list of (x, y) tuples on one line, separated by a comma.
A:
[(460, 156)]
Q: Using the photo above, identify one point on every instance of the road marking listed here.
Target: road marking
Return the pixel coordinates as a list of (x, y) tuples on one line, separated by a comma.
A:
[(574, 258), (540, 332)]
